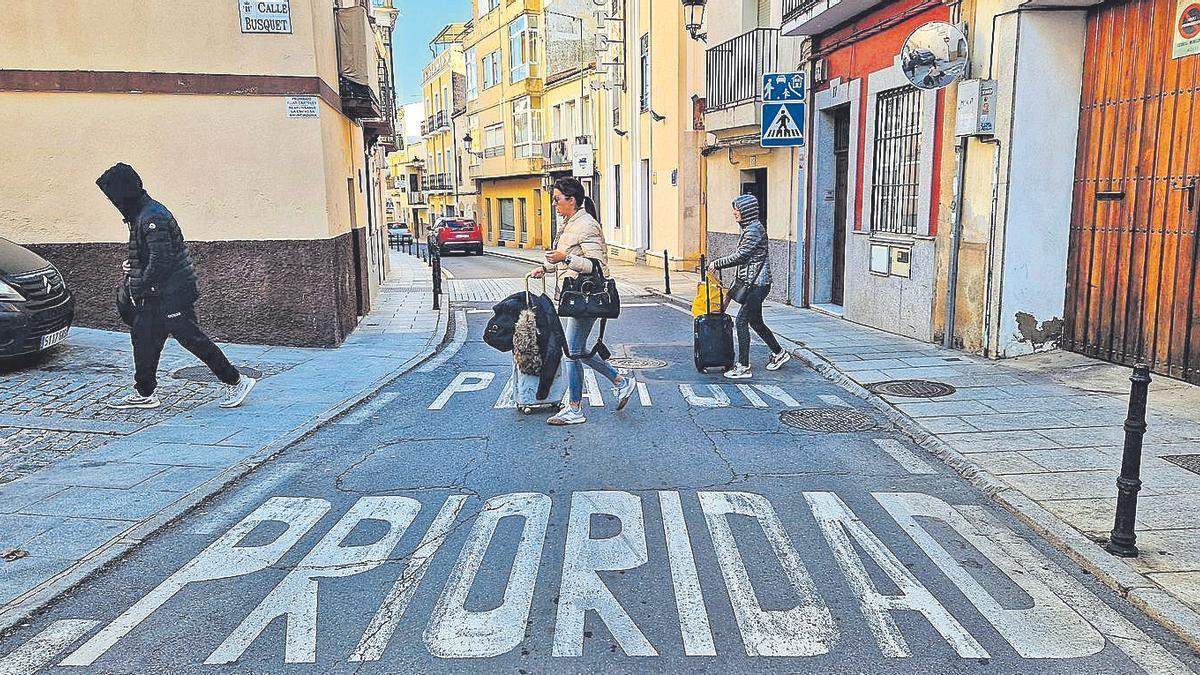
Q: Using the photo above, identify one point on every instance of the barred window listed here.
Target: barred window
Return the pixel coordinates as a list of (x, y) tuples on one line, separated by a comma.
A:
[(895, 192)]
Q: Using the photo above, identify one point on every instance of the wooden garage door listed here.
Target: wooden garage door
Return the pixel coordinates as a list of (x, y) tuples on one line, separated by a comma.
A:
[(1132, 268)]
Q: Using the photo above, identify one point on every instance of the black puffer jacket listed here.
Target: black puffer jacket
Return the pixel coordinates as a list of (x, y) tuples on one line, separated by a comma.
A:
[(160, 265), (551, 340)]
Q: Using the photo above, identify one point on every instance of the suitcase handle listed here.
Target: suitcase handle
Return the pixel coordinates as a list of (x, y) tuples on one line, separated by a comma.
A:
[(528, 295), (720, 286)]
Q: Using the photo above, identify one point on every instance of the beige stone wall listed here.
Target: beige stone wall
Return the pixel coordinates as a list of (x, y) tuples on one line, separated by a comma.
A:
[(203, 156)]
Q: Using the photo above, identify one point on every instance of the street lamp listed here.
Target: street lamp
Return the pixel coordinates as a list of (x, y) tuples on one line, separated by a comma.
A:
[(468, 140), (694, 18)]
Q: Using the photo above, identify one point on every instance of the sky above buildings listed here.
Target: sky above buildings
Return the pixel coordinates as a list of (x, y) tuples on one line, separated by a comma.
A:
[(418, 22)]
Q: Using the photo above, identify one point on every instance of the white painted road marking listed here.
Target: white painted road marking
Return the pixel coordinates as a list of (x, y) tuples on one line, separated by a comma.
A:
[(244, 499), (456, 632), (582, 589), (296, 596), (754, 398), (41, 649), (833, 400), (693, 617), (222, 559), (718, 399), (364, 413), (463, 382), (838, 525), (383, 624), (456, 343), (806, 629), (1063, 620), (644, 394), (903, 456)]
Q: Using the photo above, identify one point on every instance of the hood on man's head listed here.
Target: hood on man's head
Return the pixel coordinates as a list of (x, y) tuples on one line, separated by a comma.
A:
[(747, 205), (123, 187)]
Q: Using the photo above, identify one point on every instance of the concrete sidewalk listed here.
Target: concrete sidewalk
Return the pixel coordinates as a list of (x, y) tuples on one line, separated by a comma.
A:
[(84, 484), (1041, 434)]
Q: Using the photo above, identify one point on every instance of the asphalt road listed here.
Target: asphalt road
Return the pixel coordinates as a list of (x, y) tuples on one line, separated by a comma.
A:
[(436, 529)]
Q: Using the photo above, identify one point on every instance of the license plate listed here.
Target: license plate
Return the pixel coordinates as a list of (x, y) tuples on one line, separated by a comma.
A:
[(54, 338), (462, 236)]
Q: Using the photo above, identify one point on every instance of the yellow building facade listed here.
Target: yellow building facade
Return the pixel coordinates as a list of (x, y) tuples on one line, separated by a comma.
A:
[(444, 92), (265, 150)]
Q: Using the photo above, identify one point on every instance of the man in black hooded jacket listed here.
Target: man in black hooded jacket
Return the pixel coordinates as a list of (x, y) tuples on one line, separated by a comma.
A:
[(161, 282)]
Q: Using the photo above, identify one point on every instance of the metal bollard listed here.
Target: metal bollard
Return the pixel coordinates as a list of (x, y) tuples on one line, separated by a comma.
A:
[(437, 280), (1121, 541), (666, 272)]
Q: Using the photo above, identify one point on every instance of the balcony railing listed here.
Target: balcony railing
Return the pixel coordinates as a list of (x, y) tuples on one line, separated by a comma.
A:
[(437, 182), (795, 8), (488, 153), (439, 121), (558, 153), (734, 68)]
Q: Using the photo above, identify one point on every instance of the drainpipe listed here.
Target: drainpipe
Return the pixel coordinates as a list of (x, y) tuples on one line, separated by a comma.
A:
[(960, 160)]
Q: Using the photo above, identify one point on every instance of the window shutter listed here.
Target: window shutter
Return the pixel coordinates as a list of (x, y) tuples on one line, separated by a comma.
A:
[(764, 13)]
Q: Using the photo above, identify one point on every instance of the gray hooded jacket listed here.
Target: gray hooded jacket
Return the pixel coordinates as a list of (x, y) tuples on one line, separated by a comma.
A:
[(752, 256)]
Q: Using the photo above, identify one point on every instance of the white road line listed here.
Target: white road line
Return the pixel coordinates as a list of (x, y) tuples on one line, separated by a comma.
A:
[(626, 305), (904, 457), (377, 635), (461, 384), (218, 520), (644, 394), (778, 394), (677, 308), (754, 398), (379, 403), (719, 398), (40, 650), (693, 618), (456, 343), (480, 311), (837, 401)]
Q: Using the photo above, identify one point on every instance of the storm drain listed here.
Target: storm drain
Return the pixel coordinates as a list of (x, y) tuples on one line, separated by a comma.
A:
[(203, 374), (828, 420), (637, 362), (1189, 462), (912, 388)]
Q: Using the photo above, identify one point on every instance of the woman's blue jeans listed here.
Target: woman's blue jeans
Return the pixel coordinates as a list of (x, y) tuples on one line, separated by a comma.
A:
[(578, 331)]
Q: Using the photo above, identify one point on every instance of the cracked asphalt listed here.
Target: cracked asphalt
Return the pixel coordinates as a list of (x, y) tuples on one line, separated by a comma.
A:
[(692, 532)]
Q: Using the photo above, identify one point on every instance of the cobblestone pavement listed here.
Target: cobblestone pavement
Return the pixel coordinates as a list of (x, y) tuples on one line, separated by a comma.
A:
[(57, 407)]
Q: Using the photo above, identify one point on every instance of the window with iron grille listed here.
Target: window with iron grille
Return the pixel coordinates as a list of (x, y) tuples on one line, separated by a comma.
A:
[(645, 49), (895, 191)]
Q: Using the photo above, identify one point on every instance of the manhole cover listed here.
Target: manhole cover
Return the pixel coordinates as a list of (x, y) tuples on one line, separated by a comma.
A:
[(1189, 462), (831, 420), (203, 374), (637, 362), (912, 388)]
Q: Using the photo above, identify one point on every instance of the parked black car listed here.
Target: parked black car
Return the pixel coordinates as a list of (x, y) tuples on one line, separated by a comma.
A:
[(36, 307)]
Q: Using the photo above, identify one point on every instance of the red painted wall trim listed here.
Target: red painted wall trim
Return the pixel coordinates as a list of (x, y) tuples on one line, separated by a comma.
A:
[(127, 82)]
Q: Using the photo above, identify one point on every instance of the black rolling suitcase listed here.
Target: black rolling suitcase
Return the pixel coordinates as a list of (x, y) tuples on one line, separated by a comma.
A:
[(713, 334)]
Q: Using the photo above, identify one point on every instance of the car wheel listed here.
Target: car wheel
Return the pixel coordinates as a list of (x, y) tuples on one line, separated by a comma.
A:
[(479, 250)]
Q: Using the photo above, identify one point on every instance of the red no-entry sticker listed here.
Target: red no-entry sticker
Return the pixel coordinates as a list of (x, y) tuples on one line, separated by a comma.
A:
[(1189, 21)]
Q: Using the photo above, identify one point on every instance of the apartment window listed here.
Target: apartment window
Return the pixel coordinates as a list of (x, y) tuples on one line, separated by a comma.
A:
[(570, 125), (585, 120), (491, 69), (472, 75), (645, 51), (895, 190), (476, 140), (527, 129), (556, 131), (493, 141), (490, 4), (616, 107), (522, 47), (617, 196)]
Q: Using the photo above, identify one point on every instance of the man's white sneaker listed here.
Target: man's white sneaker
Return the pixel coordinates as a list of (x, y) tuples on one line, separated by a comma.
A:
[(135, 401), (777, 360), (625, 391), (567, 416), (739, 372), (237, 393)]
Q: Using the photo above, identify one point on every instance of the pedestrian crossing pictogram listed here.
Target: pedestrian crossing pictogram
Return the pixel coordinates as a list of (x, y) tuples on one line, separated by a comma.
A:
[(782, 124)]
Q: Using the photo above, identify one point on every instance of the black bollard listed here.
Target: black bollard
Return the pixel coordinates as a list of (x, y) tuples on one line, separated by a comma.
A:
[(1121, 541), (666, 272), (437, 281)]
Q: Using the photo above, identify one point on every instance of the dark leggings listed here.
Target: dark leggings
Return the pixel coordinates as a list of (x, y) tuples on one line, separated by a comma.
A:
[(151, 329), (750, 316)]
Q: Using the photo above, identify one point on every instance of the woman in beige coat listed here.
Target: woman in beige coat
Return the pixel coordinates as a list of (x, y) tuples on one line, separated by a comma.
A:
[(579, 243)]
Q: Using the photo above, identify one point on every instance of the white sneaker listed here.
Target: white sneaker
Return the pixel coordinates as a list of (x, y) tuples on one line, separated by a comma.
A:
[(777, 360), (567, 416), (625, 391), (739, 372), (134, 401), (237, 393)]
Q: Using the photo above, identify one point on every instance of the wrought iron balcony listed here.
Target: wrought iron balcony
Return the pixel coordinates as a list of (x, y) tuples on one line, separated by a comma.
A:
[(734, 69), (557, 152)]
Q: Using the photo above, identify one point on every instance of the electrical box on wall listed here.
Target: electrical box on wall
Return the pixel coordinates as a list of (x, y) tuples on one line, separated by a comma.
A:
[(976, 108)]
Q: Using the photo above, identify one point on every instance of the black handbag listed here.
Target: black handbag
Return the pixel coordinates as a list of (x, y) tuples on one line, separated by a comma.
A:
[(125, 306), (738, 291), (589, 296)]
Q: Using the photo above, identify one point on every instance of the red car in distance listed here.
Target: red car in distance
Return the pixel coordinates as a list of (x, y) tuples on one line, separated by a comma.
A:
[(458, 234)]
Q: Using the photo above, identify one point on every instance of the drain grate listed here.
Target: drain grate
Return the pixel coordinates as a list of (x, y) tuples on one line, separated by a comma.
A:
[(912, 388), (1189, 462), (637, 362), (829, 420), (203, 374)]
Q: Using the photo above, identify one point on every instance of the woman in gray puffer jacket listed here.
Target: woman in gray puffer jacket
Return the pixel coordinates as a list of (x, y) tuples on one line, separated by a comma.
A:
[(753, 260)]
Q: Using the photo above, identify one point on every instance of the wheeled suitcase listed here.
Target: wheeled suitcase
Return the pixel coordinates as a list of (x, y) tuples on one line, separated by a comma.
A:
[(713, 333), (525, 388)]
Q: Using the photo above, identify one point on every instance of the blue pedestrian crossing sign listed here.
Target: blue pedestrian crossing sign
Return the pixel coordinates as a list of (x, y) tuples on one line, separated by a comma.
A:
[(783, 115)]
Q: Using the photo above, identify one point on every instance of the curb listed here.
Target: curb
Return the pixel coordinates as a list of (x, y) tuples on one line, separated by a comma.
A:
[(24, 606), (511, 256), (1142, 593)]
